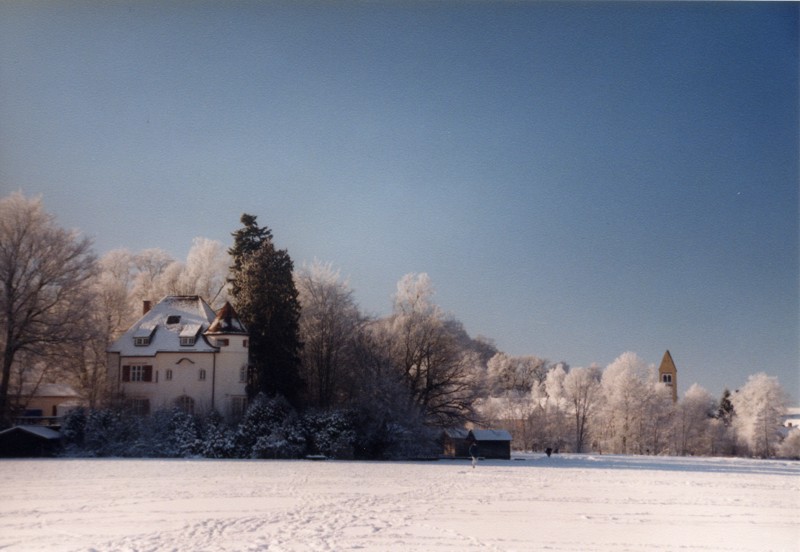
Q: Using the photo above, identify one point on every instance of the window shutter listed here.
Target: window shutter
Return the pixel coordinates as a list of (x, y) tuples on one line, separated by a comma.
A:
[(148, 373), (126, 373)]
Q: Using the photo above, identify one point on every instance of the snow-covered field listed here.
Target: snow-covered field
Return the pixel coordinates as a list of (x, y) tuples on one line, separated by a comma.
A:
[(567, 502)]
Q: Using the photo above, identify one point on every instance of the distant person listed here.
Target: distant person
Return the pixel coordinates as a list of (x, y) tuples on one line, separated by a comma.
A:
[(473, 452)]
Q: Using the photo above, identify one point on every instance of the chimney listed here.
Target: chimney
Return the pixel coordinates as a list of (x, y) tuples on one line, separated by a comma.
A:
[(146, 306)]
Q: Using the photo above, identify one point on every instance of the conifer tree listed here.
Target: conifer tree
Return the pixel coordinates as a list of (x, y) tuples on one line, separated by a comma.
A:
[(266, 299)]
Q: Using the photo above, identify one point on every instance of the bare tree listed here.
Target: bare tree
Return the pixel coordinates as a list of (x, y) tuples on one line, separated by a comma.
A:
[(45, 274), (582, 394), (440, 374), (329, 325)]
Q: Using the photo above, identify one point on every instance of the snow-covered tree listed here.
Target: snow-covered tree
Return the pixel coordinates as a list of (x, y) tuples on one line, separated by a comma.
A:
[(691, 424), (45, 275), (790, 446), (515, 374), (437, 371), (582, 394), (759, 407), (329, 325), (624, 385), (150, 266)]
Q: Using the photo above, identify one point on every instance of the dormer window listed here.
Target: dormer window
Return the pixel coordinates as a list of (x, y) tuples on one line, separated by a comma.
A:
[(173, 319), (143, 335), (188, 334)]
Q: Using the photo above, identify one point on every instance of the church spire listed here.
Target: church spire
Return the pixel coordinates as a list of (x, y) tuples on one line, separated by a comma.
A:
[(668, 374)]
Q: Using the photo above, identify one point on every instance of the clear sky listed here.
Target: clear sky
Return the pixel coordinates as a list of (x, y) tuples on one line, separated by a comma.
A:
[(578, 179)]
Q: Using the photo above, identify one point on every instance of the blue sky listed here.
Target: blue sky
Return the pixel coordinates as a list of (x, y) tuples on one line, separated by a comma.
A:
[(578, 179)]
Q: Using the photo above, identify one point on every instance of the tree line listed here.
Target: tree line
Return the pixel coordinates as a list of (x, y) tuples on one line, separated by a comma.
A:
[(390, 383)]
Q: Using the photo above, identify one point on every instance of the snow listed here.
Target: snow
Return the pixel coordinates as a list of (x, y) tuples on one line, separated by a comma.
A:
[(567, 502), (194, 314)]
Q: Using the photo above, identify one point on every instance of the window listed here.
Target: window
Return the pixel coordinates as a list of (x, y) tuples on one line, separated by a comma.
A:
[(185, 403), (202, 374), (139, 407), (141, 341), (137, 373), (168, 374), (187, 341), (238, 406), (222, 342), (666, 378), (244, 343), (243, 374), (173, 319)]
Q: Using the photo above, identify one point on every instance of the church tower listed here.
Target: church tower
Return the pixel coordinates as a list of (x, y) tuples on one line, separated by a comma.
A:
[(668, 374)]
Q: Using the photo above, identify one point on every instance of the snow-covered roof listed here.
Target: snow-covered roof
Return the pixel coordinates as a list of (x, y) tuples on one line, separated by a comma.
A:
[(456, 433), (190, 330), (51, 390), (792, 417), (491, 435), (227, 322), (39, 431), (185, 313)]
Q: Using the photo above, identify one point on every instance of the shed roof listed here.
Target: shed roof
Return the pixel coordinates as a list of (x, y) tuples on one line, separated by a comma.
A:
[(456, 433), (491, 435), (38, 431)]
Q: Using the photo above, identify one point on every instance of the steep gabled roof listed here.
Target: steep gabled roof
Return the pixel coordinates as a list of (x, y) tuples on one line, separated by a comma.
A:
[(173, 317), (227, 322)]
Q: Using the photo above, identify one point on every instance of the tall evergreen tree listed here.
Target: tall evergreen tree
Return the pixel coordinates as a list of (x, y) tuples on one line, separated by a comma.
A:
[(725, 411), (266, 300)]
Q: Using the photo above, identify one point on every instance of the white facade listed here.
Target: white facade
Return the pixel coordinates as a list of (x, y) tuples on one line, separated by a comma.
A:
[(181, 353)]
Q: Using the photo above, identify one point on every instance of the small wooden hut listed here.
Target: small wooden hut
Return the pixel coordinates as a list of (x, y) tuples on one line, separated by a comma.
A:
[(29, 441), (492, 443), (455, 443)]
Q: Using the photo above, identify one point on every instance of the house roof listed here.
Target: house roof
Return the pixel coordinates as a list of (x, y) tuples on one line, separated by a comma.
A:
[(61, 390), (227, 322), (173, 317), (491, 435), (38, 431), (456, 433)]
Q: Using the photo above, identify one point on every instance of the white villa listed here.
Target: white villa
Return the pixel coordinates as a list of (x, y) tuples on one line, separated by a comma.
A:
[(182, 353)]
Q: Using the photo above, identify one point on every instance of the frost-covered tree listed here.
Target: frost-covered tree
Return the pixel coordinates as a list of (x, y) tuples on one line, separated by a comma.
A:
[(439, 374), (582, 394), (150, 266), (759, 407), (790, 446), (624, 385), (266, 299), (691, 424), (45, 275), (515, 374), (205, 272), (329, 326)]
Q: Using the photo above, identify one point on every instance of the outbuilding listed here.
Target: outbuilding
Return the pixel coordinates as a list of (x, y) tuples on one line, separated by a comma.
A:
[(29, 441), (492, 443), (455, 443)]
